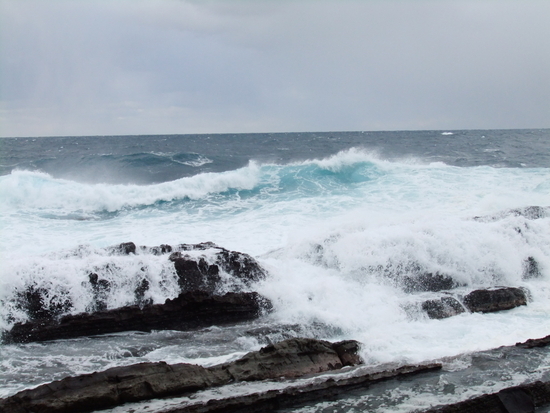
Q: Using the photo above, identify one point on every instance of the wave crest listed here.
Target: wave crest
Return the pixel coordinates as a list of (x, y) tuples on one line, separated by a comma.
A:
[(37, 190)]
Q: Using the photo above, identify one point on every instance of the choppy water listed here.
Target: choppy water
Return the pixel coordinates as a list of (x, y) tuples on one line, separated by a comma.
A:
[(336, 218)]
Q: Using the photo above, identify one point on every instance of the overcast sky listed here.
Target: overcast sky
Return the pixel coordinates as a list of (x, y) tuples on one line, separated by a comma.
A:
[(93, 67)]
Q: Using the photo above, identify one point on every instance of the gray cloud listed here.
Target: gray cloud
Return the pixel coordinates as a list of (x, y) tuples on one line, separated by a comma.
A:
[(149, 67)]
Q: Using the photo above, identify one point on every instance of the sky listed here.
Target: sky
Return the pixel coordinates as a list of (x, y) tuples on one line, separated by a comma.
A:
[(135, 67)]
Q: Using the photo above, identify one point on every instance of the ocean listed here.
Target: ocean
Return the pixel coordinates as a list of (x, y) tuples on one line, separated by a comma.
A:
[(339, 221)]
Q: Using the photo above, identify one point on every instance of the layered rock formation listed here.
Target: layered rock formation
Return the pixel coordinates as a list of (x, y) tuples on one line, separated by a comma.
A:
[(290, 358), (187, 311)]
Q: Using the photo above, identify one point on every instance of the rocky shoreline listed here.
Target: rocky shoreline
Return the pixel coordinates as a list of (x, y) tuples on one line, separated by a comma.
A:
[(201, 303), (115, 386), (292, 358)]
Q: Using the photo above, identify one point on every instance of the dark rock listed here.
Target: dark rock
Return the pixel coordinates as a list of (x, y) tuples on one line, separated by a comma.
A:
[(240, 265), (197, 247), (531, 268), (519, 399), (160, 250), (39, 304), (126, 248), (293, 358), (187, 311), (115, 386), (516, 400), (485, 301), (100, 290), (139, 293), (428, 282), (302, 395), (442, 308), (348, 351), (237, 264), (196, 275), (537, 342)]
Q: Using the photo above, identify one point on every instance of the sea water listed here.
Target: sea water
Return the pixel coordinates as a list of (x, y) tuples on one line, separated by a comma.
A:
[(337, 219)]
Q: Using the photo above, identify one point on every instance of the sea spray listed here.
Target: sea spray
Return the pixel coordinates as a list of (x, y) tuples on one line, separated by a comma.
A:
[(342, 226)]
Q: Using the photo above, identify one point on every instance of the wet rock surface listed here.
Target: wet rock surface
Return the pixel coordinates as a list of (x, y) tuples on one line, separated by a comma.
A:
[(291, 358), (442, 308), (187, 311), (39, 304), (294, 358), (532, 343), (480, 301), (428, 282), (203, 267), (271, 401), (486, 301), (517, 399)]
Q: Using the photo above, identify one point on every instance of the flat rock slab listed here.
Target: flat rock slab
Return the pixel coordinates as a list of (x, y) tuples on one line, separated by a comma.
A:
[(289, 397), (113, 387), (517, 399), (189, 310), (293, 358)]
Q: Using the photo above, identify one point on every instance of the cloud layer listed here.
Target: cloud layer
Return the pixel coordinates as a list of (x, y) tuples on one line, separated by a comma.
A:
[(167, 66)]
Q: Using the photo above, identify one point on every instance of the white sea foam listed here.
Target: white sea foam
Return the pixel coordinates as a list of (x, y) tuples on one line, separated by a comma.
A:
[(326, 239), (35, 190)]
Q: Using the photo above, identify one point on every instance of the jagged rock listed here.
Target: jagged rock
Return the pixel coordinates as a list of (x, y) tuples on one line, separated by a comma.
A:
[(293, 358), (196, 275), (39, 303), (537, 342), (428, 282), (115, 386), (139, 293), (237, 264), (187, 311), (442, 308), (100, 289), (162, 249), (348, 351), (486, 301), (240, 265), (126, 248)]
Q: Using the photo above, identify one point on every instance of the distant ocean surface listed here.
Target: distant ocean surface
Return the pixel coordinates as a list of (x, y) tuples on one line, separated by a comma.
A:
[(335, 218)]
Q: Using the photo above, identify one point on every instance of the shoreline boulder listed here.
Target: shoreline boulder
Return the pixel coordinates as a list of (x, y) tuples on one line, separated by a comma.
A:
[(487, 301), (477, 301)]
